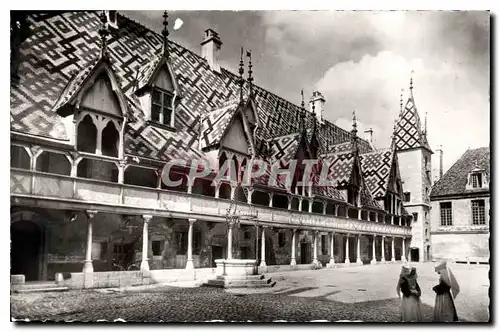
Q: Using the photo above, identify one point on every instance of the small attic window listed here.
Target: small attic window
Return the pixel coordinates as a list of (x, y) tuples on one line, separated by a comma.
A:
[(477, 180), (162, 107), (111, 18)]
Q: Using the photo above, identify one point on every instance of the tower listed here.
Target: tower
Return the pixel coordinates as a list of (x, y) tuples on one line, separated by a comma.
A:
[(414, 155)]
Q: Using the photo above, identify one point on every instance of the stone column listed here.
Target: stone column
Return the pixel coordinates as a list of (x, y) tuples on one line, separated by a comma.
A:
[(87, 266), (271, 199), (347, 261), (393, 251), (230, 241), (189, 263), (358, 251), (290, 202), (300, 204), (332, 250), (145, 243), (293, 262), (383, 249), (374, 254), (403, 251), (310, 207), (263, 248), (324, 208), (336, 210), (359, 214), (315, 248)]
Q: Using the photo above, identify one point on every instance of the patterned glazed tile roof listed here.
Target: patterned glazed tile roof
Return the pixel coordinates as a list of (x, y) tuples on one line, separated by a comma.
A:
[(342, 147), (376, 169), (454, 181), (340, 167), (284, 148), (62, 43), (367, 199), (215, 123), (409, 132), (147, 70)]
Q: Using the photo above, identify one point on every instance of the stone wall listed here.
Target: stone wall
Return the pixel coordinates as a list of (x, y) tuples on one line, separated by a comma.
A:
[(461, 247)]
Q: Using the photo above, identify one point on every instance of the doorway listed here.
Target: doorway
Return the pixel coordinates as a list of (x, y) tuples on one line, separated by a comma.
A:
[(305, 253), (414, 255), (217, 253), (26, 244)]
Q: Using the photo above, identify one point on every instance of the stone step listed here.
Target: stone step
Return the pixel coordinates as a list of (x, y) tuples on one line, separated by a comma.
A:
[(43, 289), (256, 281)]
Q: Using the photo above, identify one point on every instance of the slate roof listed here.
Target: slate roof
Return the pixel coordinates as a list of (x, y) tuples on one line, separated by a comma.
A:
[(340, 167), (454, 180)]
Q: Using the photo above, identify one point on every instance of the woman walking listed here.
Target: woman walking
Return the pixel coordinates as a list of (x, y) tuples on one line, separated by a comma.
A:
[(410, 303), (446, 292)]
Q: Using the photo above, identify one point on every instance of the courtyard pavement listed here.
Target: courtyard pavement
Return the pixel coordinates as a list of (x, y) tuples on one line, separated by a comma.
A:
[(362, 293)]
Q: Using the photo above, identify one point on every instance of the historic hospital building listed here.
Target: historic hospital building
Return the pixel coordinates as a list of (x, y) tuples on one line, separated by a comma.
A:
[(100, 103)]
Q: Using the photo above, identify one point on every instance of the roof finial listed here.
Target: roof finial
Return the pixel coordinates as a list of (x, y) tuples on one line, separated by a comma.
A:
[(165, 35), (250, 78), (401, 102), (302, 111), (411, 79), (425, 124), (354, 124), (241, 71), (104, 32)]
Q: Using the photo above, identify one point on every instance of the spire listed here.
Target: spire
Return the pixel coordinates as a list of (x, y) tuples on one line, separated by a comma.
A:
[(104, 32), (250, 78), (241, 80), (425, 124), (164, 33), (314, 117)]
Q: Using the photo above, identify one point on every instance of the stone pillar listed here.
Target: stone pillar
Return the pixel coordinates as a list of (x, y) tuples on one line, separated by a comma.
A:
[(358, 251), (189, 263), (293, 262), (393, 251), (263, 248), (324, 208), (332, 250), (374, 254), (87, 266), (310, 205), (230, 241), (383, 249), (347, 261), (336, 210), (359, 214), (300, 204), (145, 243), (403, 251), (315, 248), (290, 202)]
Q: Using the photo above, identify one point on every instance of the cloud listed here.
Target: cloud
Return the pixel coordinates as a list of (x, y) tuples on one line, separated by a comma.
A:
[(446, 93)]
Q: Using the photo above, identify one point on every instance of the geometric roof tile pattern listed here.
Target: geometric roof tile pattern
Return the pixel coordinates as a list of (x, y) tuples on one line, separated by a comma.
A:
[(409, 132), (61, 44), (454, 181), (376, 169), (215, 123), (284, 148), (340, 167)]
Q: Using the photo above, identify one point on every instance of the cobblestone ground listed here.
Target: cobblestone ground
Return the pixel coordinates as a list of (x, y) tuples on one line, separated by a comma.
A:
[(356, 293)]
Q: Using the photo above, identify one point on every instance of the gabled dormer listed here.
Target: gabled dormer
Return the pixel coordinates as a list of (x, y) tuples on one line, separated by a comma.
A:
[(477, 179), (157, 87)]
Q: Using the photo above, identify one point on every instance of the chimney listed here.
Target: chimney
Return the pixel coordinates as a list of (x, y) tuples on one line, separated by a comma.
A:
[(210, 49), (440, 153), (319, 105), (369, 135)]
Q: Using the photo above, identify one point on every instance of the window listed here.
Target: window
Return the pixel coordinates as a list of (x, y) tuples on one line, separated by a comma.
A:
[(476, 180), (324, 245), (281, 239), (478, 217), (446, 218), (161, 108), (99, 250), (415, 216), (406, 196), (157, 247)]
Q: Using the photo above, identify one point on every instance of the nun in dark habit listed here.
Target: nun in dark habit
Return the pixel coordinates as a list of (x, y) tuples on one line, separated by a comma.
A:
[(410, 303), (446, 292)]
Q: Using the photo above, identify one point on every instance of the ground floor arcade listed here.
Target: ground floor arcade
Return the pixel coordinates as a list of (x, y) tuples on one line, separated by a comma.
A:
[(50, 242)]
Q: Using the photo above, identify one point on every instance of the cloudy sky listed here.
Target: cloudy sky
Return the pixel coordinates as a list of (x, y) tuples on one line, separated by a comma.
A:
[(361, 60)]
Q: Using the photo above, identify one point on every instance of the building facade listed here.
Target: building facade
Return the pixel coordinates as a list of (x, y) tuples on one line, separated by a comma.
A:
[(460, 214), (99, 106)]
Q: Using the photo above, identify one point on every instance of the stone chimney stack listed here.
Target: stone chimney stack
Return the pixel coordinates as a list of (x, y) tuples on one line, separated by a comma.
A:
[(369, 135), (210, 49), (319, 105), (439, 172)]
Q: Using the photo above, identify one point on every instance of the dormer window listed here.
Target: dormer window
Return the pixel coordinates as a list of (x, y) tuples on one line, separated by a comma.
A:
[(111, 18), (476, 180), (162, 107)]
